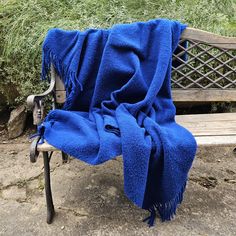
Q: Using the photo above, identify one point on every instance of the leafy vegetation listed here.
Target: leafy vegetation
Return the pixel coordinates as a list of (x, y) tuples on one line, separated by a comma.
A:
[(23, 25)]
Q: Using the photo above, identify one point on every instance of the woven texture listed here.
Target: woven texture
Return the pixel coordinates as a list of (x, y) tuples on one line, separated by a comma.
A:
[(118, 84)]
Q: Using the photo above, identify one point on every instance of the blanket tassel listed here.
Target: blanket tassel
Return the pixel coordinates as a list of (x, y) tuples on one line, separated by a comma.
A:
[(69, 77), (166, 210), (151, 219)]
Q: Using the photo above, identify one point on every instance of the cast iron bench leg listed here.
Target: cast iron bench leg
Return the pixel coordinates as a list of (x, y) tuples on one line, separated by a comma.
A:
[(48, 192)]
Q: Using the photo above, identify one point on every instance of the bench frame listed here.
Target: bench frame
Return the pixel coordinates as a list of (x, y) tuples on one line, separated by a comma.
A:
[(193, 91)]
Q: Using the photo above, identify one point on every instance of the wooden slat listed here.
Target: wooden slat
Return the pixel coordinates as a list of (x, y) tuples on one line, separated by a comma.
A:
[(202, 95), (60, 90), (211, 128), (217, 141), (220, 124), (208, 129), (229, 116), (46, 147), (59, 83), (202, 141), (190, 95), (209, 38)]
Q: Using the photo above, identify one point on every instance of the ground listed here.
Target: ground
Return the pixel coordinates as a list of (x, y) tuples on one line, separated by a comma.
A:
[(90, 200)]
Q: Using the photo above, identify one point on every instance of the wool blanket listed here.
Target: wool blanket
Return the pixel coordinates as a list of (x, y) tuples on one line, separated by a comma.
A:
[(118, 86)]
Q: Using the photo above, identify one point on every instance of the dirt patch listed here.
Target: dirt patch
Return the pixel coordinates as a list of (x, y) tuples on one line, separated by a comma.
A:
[(90, 200), (208, 182)]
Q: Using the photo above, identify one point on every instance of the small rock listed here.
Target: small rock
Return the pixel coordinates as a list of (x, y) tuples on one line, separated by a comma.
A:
[(195, 213), (63, 227), (89, 186), (112, 191), (232, 181), (16, 123), (13, 152), (200, 200)]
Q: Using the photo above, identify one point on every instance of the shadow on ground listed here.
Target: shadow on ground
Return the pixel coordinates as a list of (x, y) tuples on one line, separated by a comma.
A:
[(90, 200)]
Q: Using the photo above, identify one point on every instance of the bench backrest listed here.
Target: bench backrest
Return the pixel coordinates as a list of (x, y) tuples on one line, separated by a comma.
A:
[(205, 69), (209, 72)]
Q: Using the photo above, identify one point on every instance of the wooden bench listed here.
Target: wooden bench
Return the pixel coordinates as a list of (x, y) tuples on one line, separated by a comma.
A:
[(208, 75)]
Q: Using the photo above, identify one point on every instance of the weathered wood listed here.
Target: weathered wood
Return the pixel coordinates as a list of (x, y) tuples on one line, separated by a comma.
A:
[(203, 95), (209, 38), (202, 141), (60, 96), (228, 116), (217, 141), (45, 147), (59, 83), (209, 129), (220, 124), (60, 93)]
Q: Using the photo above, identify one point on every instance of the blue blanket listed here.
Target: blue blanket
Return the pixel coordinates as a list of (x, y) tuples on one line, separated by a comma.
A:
[(118, 84)]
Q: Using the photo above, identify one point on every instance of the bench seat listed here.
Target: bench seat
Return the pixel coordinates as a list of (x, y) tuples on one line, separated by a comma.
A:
[(207, 76), (217, 129)]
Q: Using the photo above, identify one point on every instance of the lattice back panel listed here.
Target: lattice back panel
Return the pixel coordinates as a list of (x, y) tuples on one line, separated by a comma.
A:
[(203, 66)]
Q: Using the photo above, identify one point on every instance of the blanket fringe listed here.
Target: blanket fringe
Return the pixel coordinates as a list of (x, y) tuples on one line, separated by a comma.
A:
[(39, 133), (69, 77), (166, 210)]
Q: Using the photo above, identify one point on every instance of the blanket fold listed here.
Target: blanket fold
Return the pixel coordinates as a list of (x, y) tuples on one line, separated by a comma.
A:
[(118, 84)]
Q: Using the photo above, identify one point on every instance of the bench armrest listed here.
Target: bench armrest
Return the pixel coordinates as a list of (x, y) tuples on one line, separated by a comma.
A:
[(35, 98), (35, 101)]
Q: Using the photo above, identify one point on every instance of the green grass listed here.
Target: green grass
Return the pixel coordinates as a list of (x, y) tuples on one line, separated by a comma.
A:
[(23, 25)]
